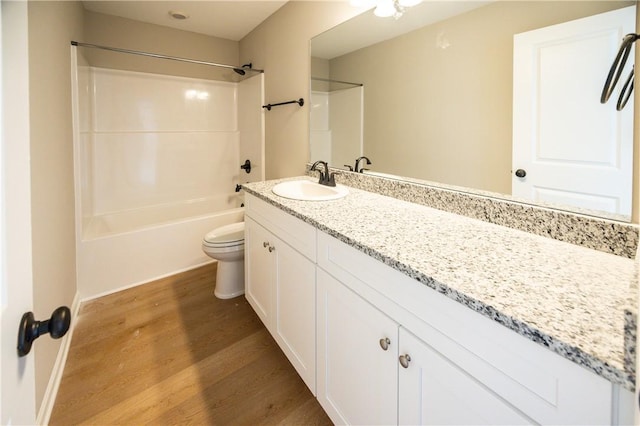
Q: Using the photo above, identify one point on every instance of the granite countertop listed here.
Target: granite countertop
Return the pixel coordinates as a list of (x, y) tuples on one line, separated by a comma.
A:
[(578, 302)]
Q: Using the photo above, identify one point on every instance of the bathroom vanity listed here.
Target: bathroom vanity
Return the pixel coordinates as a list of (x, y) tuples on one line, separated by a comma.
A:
[(393, 312)]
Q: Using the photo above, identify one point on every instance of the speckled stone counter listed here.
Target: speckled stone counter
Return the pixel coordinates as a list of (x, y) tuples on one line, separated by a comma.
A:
[(578, 302), (607, 235)]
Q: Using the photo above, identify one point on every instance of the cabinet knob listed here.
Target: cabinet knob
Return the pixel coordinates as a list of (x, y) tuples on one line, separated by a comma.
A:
[(265, 244), (384, 343), (271, 248), (404, 360)]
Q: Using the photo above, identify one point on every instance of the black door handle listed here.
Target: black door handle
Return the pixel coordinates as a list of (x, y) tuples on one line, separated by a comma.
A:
[(521, 173), (30, 329)]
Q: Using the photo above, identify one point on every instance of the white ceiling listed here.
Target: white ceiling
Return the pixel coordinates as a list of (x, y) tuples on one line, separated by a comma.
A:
[(225, 19)]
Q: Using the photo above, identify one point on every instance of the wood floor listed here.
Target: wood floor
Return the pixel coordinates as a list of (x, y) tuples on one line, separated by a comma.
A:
[(169, 352)]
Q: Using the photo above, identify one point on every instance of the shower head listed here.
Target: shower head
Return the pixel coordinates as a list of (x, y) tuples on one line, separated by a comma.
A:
[(241, 71)]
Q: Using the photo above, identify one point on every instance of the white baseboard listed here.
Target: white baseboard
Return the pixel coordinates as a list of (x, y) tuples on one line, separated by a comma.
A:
[(146, 281), (49, 399)]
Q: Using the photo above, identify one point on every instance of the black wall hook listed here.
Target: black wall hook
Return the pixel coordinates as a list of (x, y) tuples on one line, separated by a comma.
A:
[(616, 70), (246, 166), (30, 329), (299, 102)]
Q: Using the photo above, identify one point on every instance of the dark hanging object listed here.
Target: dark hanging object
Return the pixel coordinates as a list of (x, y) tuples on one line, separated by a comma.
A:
[(616, 70)]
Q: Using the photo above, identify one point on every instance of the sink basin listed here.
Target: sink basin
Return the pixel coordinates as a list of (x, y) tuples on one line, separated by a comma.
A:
[(306, 190)]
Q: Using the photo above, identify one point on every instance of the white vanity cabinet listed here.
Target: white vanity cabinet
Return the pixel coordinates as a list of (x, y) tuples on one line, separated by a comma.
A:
[(357, 357), (372, 371), (464, 367), (434, 391), (350, 324), (280, 282)]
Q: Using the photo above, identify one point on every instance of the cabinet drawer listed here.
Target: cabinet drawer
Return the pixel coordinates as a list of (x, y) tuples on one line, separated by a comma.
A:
[(541, 384), (298, 234)]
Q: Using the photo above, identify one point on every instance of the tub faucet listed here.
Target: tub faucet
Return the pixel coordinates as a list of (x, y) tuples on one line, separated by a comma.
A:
[(326, 178), (355, 169)]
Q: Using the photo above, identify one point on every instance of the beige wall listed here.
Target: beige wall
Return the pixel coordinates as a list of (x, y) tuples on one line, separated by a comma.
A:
[(445, 114), (113, 31), (51, 26), (280, 46), (320, 69)]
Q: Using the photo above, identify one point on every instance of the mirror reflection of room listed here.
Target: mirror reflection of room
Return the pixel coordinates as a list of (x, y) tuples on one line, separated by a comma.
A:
[(447, 98)]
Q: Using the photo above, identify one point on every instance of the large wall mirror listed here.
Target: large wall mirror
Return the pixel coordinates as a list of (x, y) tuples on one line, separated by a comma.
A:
[(466, 94)]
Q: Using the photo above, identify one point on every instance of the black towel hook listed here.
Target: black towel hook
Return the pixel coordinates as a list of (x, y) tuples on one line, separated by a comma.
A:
[(627, 89), (616, 70)]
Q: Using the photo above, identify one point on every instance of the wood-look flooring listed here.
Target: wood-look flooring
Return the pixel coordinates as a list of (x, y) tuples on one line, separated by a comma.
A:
[(169, 352)]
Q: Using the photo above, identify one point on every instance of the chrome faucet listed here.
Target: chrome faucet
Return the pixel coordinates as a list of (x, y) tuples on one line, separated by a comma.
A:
[(326, 178), (355, 169)]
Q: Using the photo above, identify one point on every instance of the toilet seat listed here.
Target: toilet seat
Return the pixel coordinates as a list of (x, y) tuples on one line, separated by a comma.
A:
[(227, 237)]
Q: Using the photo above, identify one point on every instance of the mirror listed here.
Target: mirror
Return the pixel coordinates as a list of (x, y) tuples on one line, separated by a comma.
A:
[(432, 95)]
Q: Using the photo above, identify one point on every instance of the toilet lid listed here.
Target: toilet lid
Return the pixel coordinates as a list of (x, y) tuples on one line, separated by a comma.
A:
[(226, 235)]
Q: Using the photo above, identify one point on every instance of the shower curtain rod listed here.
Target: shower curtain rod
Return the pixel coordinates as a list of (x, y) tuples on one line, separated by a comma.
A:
[(155, 55), (328, 80)]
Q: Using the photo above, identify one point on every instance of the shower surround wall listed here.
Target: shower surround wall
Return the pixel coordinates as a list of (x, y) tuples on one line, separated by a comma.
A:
[(336, 125), (158, 158)]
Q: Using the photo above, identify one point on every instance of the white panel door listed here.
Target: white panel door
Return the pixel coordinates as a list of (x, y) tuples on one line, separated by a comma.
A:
[(434, 391), (357, 378), (575, 151), (259, 270), (17, 394), (295, 311)]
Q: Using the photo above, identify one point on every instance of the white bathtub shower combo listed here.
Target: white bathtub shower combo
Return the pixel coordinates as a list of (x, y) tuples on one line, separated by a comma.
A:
[(157, 161)]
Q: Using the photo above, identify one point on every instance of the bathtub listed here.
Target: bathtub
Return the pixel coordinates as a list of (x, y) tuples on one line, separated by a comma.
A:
[(125, 249)]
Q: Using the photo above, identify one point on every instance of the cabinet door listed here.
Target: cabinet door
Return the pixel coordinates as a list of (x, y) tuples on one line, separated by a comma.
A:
[(259, 269), (433, 391), (294, 325), (357, 378)]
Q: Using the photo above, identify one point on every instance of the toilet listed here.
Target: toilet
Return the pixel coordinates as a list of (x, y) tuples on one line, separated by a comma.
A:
[(226, 245)]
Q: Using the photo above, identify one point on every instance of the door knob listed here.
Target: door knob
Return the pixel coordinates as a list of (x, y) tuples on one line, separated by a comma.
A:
[(30, 329), (521, 173), (404, 360), (384, 343)]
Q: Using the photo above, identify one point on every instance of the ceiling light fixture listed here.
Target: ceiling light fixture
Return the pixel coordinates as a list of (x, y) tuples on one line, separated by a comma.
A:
[(178, 15), (395, 8)]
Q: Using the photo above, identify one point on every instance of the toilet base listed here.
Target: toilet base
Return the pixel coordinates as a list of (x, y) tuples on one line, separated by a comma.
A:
[(229, 279)]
